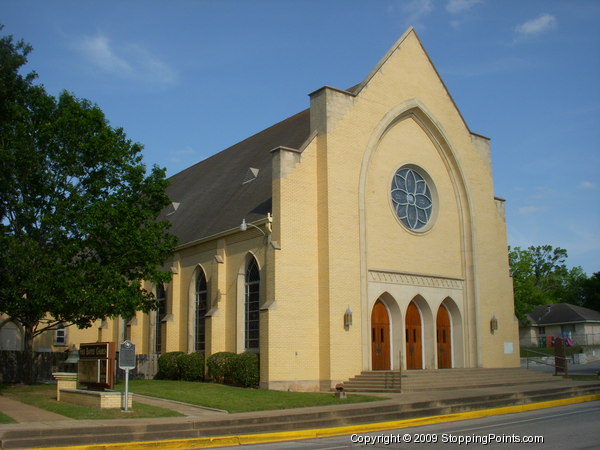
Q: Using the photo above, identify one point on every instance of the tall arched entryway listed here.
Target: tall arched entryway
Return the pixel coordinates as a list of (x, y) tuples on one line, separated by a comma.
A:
[(414, 346), (380, 337), (443, 338)]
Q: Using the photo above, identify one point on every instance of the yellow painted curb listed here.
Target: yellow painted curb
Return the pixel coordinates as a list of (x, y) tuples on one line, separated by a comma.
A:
[(223, 441)]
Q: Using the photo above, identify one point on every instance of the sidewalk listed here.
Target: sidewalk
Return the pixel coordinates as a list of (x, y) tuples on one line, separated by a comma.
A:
[(26, 413)]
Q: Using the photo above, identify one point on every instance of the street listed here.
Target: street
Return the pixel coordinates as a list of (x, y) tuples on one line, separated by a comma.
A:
[(565, 427)]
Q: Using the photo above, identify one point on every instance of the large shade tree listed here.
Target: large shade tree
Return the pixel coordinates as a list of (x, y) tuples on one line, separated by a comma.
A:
[(78, 209), (541, 277)]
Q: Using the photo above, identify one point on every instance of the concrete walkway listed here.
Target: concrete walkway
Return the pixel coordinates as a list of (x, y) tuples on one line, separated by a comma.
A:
[(186, 409), (26, 413)]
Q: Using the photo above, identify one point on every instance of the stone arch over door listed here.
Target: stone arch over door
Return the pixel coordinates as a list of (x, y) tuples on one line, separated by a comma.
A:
[(443, 337), (413, 328), (419, 334), (380, 337), (456, 332), (395, 330)]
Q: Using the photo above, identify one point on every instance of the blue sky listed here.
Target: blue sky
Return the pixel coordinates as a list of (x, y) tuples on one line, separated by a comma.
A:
[(190, 78)]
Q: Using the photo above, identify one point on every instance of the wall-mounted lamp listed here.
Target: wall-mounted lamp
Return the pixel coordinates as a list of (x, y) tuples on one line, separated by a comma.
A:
[(348, 317), (244, 226), (274, 244), (493, 324)]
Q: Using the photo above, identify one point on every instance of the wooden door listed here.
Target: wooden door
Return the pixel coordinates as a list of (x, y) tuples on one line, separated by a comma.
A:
[(444, 342), (380, 337), (414, 356)]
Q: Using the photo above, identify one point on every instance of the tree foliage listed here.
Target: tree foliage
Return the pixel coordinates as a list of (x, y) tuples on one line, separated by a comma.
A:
[(541, 277), (78, 210), (591, 292)]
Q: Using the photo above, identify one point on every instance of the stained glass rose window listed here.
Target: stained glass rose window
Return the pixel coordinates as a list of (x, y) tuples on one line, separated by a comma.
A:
[(411, 198)]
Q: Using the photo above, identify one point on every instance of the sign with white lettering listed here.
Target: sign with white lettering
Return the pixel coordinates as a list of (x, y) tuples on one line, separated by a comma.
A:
[(96, 367)]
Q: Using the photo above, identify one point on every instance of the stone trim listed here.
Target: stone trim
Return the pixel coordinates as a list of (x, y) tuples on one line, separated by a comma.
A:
[(404, 278)]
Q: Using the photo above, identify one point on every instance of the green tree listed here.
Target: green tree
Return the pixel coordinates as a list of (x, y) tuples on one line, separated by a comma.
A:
[(591, 292), (540, 277), (573, 287), (538, 274), (78, 210)]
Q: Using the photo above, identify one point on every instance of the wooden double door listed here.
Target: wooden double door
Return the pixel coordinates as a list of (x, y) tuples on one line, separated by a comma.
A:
[(380, 338), (443, 339), (414, 347)]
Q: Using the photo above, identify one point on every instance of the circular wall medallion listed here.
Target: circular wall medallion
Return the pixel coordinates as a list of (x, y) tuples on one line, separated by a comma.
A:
[(411, 198)]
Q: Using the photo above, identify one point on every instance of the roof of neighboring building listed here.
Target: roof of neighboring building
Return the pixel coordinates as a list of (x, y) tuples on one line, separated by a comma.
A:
[(562, 313), (216, 194)]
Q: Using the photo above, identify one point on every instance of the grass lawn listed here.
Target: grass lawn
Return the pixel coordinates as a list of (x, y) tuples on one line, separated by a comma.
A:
[(581, 377), (44, 396), (5, 419), (547, 351), (235, 399)]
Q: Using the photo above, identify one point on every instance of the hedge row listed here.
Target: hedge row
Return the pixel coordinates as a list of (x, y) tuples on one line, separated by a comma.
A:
[(181, 366), (223, 367), (230, 368)]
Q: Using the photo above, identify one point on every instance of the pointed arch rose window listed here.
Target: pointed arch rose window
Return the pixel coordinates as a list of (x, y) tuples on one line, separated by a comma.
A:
[(411, 198)]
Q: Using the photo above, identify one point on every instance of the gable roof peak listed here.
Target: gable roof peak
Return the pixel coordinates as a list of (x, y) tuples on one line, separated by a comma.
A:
[(382, 61), (409, 34)]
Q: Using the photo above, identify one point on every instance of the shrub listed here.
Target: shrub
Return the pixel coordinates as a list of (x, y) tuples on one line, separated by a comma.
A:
[(246, 370), (167, 366), (227, 367), (220, 366), (191, 366)]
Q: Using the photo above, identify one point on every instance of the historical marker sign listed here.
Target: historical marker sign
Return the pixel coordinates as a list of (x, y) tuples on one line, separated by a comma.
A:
[(126, 363), (127, 355)]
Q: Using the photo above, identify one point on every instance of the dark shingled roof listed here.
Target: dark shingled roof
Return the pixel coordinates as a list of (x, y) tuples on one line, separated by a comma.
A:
[(562, 313), (212, 195)]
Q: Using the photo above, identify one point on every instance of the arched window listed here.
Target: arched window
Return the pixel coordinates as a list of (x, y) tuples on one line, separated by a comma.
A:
[(161, 312), (11, 336), (251, 306), (201, 309)]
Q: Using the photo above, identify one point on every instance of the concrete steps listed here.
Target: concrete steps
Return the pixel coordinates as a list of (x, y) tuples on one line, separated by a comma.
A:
[(287, 420), (375, 381), (418, 380)]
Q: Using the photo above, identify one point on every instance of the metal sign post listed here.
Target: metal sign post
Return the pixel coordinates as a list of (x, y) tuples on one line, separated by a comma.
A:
[(126, 363)]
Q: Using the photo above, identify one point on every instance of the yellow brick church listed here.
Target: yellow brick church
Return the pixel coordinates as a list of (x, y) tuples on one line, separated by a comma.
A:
[(359, 234)]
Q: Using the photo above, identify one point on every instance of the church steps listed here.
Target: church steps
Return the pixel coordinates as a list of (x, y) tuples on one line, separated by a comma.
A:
[(415, 380)]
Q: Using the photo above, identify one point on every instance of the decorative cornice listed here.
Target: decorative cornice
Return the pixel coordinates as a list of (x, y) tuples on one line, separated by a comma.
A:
[(384, 276)]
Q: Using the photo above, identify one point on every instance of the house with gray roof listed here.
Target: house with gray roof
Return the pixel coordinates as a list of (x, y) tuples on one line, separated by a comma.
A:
[(578, 325)]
